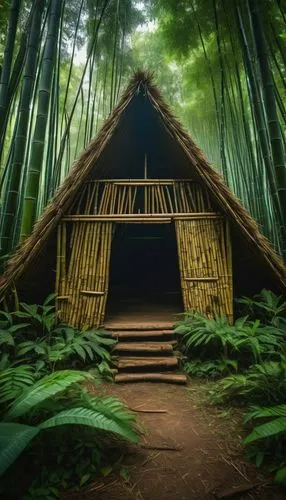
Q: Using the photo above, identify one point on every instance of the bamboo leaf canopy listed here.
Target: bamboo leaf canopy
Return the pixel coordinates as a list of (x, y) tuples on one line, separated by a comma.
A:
[(117, 150)]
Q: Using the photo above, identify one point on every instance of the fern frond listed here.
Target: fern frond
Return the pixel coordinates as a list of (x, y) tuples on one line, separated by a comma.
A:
[(91, 418), (14, 380), (45, 388)]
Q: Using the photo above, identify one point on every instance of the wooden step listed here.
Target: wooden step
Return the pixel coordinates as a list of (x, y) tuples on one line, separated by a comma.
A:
[(128, 334), (144, 347), (141, 362), (174, 378)]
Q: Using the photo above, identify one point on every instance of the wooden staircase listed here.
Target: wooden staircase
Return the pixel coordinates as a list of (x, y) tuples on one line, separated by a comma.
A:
[(146, 354)]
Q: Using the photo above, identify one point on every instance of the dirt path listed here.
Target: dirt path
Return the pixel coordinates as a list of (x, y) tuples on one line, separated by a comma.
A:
[(189, 450)]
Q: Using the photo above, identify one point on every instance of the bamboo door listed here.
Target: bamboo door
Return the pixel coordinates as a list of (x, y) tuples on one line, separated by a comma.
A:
[(83, 258), (204, 249)]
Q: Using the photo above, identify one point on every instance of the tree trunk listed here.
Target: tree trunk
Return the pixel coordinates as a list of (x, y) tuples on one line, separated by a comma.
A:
[(276, 141), (8, 56), (19, 148), (38, 142)]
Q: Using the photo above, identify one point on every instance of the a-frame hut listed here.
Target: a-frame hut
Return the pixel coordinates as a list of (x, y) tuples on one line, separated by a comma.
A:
[(143, 225)]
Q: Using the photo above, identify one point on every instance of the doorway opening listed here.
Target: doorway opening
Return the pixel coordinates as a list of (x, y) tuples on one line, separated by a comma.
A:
[(144, 282)]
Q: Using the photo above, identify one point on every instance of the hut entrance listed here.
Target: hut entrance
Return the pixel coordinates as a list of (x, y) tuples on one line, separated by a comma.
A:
[(144, 281)]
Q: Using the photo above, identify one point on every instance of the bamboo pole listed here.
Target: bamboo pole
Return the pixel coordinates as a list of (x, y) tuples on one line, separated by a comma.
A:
[(96, 199), (75, 271), (111, 217), (134, 199), (86, 313), (175, 198), (192, 204), (107, 253), (170, 208), (90, 198), (157, 208), (97, 286), (81, 283), (63, 263), (95, 270), (81, 198), (58, 262)]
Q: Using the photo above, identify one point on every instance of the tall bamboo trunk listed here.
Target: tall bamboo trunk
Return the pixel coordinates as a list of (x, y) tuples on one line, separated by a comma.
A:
[(19, 148), (8, 57), (268, 88), (38, 141)]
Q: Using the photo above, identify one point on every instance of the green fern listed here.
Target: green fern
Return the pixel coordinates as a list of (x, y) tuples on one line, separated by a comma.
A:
[(266, 381), (14, 380), (45, 388), (91, 418), (105, 414)]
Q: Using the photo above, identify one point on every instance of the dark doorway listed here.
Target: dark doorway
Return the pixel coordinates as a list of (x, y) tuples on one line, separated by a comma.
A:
[(144, 282)]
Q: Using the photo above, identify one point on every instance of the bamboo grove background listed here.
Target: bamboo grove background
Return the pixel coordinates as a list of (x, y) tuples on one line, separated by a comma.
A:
[(220, 64)]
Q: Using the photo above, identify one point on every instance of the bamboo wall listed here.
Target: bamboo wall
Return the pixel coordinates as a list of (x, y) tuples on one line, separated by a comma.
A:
[(83, 272), (130, 197), (204, 249)]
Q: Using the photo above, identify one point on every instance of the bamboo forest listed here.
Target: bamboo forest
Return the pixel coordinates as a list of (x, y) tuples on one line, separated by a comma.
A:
[(142, 249)]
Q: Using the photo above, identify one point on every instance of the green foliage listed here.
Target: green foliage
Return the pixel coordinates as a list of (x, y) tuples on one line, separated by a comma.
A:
[(13, 380), (262, 382), (210, 369), (46, 404), (33, 405), (267, 306), (267, 441), (43, 389), (47, 345), (246, 341)]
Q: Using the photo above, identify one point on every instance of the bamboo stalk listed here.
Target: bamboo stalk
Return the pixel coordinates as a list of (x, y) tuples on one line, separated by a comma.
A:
[(96, 198), (95, 267), (170, 208), (156, 201), (97, 285), (79, 302), (86, 313), (134, 199), (106, 272), (58, 262), (75, 271), (183, 215), (175, 198), (63, 260), (90, 198)]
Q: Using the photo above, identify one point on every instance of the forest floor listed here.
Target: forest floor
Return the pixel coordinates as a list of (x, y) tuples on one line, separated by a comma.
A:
[(188, 450)]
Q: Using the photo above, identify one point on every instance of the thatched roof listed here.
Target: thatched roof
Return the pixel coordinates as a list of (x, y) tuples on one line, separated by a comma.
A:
[(88, 160)]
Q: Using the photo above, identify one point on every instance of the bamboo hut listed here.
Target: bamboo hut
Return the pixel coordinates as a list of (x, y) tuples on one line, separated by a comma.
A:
[(142, 227)]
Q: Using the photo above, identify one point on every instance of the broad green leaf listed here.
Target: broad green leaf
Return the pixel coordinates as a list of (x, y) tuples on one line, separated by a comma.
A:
[(268, 429), (14, 438)]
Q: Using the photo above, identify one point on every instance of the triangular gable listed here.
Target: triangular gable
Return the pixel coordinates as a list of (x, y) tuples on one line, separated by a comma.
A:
[(58, 206)]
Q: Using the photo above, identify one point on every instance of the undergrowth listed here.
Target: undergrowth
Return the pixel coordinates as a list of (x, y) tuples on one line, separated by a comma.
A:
[(247, 360), (55, 434)]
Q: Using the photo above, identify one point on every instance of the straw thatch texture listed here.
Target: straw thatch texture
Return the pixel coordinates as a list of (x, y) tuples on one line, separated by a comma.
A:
[(65, 195)]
